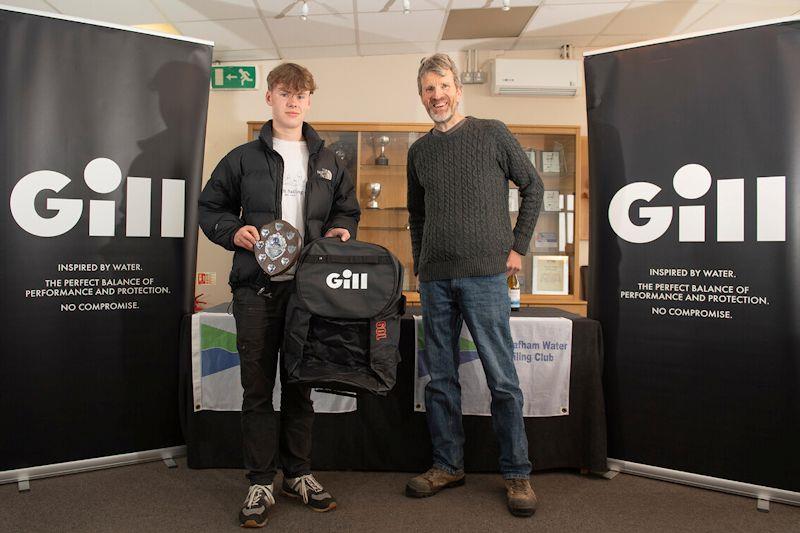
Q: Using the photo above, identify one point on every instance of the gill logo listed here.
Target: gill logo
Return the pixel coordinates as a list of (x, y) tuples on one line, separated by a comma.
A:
[(380, 330), (346, 280), (691, 182), (102, 176)]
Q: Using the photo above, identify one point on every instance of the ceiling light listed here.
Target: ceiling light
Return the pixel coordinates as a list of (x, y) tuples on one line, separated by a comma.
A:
[(304, 11), (506, 5), (406, 7)]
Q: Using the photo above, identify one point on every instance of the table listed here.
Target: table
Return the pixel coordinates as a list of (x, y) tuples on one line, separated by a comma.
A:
[(386, 434)]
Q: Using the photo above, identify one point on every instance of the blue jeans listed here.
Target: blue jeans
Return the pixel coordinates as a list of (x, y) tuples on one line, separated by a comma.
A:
[(483, 303)]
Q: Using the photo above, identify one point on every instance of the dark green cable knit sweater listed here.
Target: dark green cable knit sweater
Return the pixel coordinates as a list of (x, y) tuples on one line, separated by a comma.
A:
[(458, 200)]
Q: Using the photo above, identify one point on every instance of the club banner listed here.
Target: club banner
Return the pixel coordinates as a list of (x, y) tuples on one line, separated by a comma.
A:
[(216, 373), (695, 265), (101, 150), (542, 357)]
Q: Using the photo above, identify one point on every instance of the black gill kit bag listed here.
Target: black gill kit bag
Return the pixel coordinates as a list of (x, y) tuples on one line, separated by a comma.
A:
[(343, 320)]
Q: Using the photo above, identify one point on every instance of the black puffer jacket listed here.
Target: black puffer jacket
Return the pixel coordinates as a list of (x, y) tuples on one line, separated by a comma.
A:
[(246, 188)]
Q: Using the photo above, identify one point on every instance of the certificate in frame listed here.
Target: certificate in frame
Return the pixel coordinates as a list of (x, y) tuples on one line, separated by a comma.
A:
[(550, 201), (550, 274), (551, 163)]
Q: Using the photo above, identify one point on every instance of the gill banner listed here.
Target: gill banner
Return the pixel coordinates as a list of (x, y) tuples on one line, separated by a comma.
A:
[(101, 143), (695, 265)]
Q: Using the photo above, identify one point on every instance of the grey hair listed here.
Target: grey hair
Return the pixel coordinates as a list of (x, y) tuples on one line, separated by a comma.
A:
[(440, 64)]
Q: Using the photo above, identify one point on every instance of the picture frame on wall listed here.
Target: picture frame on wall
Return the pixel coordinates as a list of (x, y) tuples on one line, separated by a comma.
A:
[(550, 274)]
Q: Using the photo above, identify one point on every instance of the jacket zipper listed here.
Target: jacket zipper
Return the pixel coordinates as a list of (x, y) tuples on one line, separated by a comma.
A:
[(311, 159), (279, 187)]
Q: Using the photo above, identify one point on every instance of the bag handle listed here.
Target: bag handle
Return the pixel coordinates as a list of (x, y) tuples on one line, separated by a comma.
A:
[(347, 259)]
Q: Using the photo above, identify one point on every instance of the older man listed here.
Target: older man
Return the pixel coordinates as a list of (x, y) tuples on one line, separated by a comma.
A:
[(464, 248)]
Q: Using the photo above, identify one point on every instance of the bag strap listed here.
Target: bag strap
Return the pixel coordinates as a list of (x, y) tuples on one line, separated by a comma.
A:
[(337, 392)]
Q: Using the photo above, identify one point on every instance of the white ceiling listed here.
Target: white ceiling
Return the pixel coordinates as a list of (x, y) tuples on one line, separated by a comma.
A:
[(249, 29)]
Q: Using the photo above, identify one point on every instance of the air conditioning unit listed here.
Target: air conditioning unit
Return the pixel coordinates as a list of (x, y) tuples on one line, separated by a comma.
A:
[(535, 77)]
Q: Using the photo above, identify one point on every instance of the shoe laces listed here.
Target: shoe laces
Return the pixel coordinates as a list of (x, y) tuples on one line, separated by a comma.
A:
[(435, 473), (431, 474), (519, 485), (303, 483), (255, 492)]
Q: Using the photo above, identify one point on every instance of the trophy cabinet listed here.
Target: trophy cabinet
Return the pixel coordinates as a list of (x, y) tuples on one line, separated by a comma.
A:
[(375, 155)]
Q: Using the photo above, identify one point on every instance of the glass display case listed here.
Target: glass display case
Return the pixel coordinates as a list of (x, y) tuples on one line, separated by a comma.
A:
[(375, 156)]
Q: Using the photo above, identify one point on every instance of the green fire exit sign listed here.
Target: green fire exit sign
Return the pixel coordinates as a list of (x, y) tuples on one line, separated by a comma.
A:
[(233, 77)]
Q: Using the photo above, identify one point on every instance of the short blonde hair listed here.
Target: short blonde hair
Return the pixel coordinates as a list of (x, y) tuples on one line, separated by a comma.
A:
[(440, 64), (293, 77)]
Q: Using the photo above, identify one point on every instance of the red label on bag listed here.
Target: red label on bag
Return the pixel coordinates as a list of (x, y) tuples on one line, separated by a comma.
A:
[(380, 330)]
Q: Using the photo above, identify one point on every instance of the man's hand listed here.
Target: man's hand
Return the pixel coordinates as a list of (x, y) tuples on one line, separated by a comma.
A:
[(246, 237), (338, 232), (513, 263)]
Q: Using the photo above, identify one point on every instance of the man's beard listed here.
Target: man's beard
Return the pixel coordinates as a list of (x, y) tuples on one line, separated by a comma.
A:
[(432, 113)]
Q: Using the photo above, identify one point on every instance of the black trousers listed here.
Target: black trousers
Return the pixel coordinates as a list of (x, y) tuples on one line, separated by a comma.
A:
[(268, 440)]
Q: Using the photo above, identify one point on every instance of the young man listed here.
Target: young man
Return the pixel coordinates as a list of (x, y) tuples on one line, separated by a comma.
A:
[(464, 248), (285, 174)]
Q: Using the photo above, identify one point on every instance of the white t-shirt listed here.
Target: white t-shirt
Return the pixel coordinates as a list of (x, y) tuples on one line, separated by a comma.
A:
[(295, 177)]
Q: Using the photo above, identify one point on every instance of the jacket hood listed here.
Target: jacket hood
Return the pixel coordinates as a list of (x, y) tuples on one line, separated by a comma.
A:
[(313, 140)]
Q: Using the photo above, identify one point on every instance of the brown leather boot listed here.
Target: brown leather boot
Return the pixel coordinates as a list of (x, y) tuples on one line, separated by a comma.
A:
[(521, 498), (431, 482)]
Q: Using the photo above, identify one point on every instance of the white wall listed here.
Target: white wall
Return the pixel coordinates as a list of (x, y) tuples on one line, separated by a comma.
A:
[(362, 89)]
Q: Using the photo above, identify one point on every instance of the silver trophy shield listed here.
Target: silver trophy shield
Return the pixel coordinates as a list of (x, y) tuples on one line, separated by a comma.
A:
[(278, 247), (374, 190)]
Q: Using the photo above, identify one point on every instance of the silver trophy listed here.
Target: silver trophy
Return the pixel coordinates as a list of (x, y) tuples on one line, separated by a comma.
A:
[(374, 190), (278, 247), (383, 140)]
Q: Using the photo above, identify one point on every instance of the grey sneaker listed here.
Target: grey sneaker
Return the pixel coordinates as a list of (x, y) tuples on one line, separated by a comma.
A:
[(431, 482), (259, 499), (310, 491), (521, 498)]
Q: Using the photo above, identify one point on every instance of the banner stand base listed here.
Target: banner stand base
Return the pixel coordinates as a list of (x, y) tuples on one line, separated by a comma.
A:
[(610, 474), (763, 495), (23, 476)]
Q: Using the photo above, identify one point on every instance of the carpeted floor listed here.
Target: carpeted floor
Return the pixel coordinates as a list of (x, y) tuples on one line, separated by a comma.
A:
[(151, 497)]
